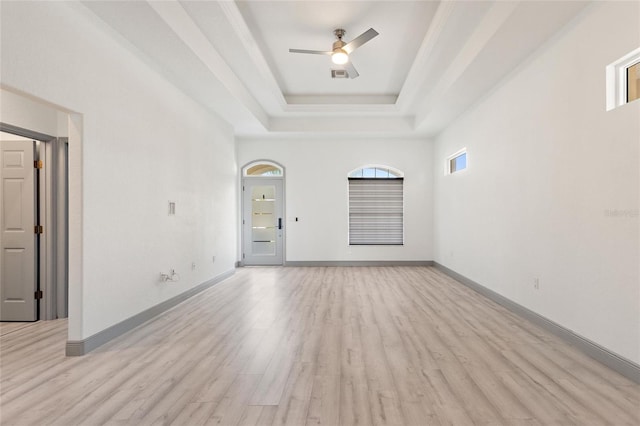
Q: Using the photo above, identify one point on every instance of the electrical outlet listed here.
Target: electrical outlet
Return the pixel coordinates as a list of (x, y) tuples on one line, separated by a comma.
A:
[(536, 283), (213, 259), (193, 266)]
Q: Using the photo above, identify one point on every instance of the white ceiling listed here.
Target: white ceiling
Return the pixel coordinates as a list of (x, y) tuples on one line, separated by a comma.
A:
[(431, 61)]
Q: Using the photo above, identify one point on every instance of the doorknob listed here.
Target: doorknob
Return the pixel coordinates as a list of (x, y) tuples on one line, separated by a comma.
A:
[(279, 223)]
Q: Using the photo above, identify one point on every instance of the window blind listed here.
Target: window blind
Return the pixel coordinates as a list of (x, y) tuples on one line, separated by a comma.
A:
[(376, 211)]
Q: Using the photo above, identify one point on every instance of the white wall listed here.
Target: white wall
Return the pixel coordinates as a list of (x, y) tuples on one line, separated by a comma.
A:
[(20, 111), (552, 187), (143, 143), (317, 193)]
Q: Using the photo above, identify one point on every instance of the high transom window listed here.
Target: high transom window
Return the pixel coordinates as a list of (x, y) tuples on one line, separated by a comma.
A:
[(623, 80), (376, 206), (263, 168), (456, 162)]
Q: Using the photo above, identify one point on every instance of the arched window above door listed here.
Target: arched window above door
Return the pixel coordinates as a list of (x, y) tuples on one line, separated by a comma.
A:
[(262, 169)]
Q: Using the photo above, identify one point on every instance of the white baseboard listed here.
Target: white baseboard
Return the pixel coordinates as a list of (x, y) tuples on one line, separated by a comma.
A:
[(626, 367), (360, 263), (81, 347)]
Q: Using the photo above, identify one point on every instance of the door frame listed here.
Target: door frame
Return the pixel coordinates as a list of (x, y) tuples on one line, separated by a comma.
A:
[(282, 178), (53, 203)]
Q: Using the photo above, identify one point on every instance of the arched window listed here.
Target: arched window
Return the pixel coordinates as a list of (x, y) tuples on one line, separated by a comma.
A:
[(376, 206), (378, 172), (263, 169)]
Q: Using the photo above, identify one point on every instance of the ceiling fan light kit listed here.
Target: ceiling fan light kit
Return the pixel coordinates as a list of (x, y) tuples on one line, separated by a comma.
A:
[(339, 57), (340, 50)]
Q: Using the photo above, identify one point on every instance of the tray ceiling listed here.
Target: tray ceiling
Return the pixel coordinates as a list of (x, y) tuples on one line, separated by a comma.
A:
[(430, 62)]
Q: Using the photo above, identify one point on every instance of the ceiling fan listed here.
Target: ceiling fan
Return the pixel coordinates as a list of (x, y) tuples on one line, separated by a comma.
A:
[(341, 50)]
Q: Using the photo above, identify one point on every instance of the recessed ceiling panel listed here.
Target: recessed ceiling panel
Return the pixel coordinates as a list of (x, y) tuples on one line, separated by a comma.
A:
[(383, 62)]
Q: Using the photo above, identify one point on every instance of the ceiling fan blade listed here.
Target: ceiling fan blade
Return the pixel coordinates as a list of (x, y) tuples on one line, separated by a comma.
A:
[(351, 70), (360, 40), (314, 52)]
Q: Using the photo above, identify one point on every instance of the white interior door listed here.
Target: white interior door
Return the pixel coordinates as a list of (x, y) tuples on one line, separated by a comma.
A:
[(263, 221), (17, 237)]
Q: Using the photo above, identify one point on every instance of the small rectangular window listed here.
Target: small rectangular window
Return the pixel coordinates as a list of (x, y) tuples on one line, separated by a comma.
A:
[(456, 162), (459, 163), (623, 80), (633, 82)]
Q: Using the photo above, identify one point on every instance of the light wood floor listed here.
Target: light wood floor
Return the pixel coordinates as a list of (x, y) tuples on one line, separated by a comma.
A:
[(316, 346)]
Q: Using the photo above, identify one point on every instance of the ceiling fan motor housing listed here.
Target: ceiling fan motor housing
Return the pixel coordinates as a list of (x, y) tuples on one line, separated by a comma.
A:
[(339, 56)]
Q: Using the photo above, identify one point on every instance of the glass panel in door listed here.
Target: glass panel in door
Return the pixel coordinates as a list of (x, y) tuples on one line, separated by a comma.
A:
[(263, 220)]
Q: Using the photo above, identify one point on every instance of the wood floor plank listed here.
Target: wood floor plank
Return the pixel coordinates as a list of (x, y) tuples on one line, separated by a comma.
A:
[(231, 408), (194, 414), (274, 379), (354, 402), (258, 415), (315, 346), (294, 404), (324, 407)]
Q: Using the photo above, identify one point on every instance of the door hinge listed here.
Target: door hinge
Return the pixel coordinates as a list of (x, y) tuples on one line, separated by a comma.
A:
[(38, 229), (38, 164), (38, 294)]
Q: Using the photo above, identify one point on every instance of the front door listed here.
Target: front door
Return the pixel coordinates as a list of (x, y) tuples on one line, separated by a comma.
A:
[(17, 237), (263, 221)]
